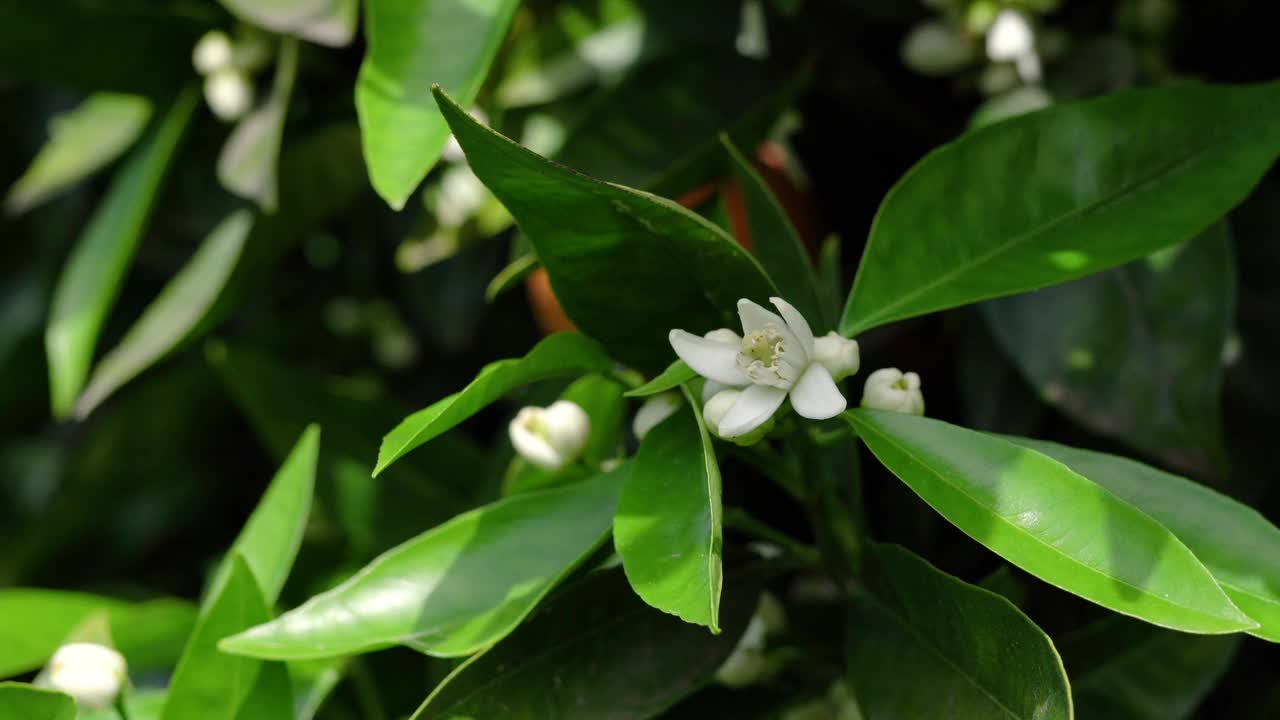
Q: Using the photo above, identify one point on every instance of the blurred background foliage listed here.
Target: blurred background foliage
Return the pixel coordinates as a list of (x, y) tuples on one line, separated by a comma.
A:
[(272, 286)]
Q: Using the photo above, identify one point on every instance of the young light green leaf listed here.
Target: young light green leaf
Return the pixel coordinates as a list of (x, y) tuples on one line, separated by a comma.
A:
[(169, 320), (668, 526), (676, 374), (414, 44), (20, 700), (511, 275), (208, 683), (935, 646), (556, 356), (81, 142), (95, 270), (1050, 521), (33, 623), (247, 164), (1236, 543), (594, 651), (630, 266), (1062, 193), (454, 589), (327, 22), (776, 243)]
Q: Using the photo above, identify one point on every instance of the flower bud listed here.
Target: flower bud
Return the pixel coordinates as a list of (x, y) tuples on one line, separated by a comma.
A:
[(212, 52), (718, 406), (653, 411), (839, 355), (228, 93), (1010, 37), (92, 674), (891, 389), (550, 437)]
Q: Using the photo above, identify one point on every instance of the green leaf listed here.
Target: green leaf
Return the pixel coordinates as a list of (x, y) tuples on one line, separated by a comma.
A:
[(95, 270), (20, 700), (1062, 193), (170, 319), (1236, 543), (247, 164), (414, 44), (631, 266), (511, 275), (936, 646), (81, 142), (140, 704), (593, 651), (1139, 672), (556, 356), (271, 536), (209, 683), (327, 22), (454, 589), (668, 525), (34, 622), (1155, 328), (676, 374), (776, 243), (1051, 522)]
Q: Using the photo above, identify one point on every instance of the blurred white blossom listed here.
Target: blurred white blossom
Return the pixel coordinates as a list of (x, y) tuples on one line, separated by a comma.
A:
[(92, 674)]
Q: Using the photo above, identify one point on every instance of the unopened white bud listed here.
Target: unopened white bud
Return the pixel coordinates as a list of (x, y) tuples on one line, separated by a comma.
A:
[(228, 93), (1010, 37), (839, 355), (213, 52), (550, 437), (718, 406), (891, 389), (92, 674), (654, 411)]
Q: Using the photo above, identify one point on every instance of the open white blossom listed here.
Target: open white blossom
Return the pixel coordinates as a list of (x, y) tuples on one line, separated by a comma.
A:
[(228, 93), (892, 389), (550, 437), (212, 52), (92, 674), (653, 411), (774, 359)]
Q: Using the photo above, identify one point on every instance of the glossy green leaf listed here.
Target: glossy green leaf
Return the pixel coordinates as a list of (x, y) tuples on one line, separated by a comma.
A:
[(140, 704), (453, 589), (556, 356), (209, 683), (20, 700), (81, 142), (1123, 670), (1062, 193), (1236, 543), (247, 164), (34, 622), (1053, 523), (594, 650), (775, 242), (169, 320), (414, 44), (676, 374), (627, 266), (102, 255), (1155, 328), (327, 22), (935, 646), (668, 528)]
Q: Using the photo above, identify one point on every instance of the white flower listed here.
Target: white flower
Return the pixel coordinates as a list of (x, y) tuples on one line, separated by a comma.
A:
[(1010, 37), (213, 52), (228, 93), (92, 674), (891, 389), (550, 437), (653, 411), (775, 358)]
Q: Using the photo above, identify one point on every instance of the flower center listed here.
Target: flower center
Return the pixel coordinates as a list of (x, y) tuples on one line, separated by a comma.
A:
[(763, 359), (537, 426)]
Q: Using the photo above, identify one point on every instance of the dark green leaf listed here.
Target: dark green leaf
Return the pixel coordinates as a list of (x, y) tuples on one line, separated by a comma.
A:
[(556, 356), (25, 702), (1051, 522), (668, 527), (328, 22), (937, 647), (95, 270), (414, 44), (454, 589), (627, 266), (676, 374), (1062, 193), (247, 165)]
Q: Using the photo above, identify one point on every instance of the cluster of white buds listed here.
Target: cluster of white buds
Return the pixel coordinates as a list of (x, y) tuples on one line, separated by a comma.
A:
[(227, 67), (550, 437), (92, 674)]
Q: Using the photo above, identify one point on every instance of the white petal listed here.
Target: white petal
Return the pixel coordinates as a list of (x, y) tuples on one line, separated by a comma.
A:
[(726, 336), (709, 358), (568, 427), (531, 446), (711, 388), (755, 405), (815, 395), (755, 317), (654, 411), (796, 323)]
